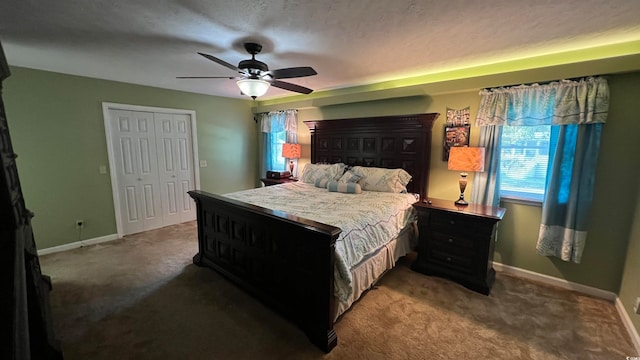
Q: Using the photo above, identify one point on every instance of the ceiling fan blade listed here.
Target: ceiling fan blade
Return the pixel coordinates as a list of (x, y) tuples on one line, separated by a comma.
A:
[(207, 77), (221, 62), (293, 72), (291, 87)]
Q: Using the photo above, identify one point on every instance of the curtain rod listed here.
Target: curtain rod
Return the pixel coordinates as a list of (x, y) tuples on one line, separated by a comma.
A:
[(255, 118), (545, 82)]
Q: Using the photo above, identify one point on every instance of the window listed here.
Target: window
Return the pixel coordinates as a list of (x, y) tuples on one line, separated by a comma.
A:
[(274, 160), (523, 161)]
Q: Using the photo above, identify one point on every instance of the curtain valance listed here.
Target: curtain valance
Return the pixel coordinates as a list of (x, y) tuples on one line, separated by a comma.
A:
[(584, 101), (277, 121)]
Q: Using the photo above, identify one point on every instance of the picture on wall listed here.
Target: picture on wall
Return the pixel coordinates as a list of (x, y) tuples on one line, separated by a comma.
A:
[(455, 136), (456, 130)]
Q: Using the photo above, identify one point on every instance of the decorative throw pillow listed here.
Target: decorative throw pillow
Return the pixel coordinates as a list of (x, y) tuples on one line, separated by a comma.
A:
[(349, 177), (322, 182), (348, 188), (383, 180), (312, 172)]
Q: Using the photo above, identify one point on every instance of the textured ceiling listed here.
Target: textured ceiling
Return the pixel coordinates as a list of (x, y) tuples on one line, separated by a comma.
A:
[(348, 42)]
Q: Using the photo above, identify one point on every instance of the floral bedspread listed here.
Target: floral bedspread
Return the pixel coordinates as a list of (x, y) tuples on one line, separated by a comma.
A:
[(368, 220)]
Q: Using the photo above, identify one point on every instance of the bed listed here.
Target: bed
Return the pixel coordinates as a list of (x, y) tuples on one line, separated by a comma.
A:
[(288, 261)]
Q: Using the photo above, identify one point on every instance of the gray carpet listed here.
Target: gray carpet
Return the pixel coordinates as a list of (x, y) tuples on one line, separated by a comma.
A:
[(141, 298)]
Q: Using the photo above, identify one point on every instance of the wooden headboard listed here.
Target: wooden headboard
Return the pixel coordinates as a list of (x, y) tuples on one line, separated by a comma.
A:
[(402, 141)]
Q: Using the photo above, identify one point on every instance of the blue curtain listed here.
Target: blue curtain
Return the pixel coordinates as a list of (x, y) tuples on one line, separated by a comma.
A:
[(273, 159), (486, 185), (569, 191), (278, 127), (576, 110)]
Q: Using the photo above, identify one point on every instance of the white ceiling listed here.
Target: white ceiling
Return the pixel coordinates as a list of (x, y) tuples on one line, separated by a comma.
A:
[(348, 42)]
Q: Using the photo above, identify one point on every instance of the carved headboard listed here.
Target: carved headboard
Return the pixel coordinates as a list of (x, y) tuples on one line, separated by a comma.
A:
[(402, 141)]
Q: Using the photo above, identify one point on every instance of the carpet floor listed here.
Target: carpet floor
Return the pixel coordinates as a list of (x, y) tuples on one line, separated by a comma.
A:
[(141, 298)]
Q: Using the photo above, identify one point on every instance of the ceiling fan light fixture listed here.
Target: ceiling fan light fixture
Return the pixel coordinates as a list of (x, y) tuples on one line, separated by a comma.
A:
[(253, 87)]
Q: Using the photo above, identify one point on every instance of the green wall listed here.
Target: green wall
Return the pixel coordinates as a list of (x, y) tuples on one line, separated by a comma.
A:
[(57, 129), (630, 286), (611, 217)]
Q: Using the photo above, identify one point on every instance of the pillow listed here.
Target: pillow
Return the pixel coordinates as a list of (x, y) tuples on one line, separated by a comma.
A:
[(349, 177), (348, 188), (383, 180), (322, 182), (312, 172)]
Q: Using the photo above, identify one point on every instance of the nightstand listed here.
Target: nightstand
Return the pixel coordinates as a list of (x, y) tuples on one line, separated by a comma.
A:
[(269, 182), (457, 242)]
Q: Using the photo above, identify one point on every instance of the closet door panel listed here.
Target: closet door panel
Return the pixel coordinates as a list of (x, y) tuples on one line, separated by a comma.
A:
[(184, 166), (133, 133), (168, 177)]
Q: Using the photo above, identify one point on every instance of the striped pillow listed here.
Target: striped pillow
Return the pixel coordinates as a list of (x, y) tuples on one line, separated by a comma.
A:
[(322, 182), (349, 188)]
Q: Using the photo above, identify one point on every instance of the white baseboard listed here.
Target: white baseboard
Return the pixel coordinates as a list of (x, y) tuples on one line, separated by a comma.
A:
[(633, 333), (77, 244), (550, 280), (584, 289)]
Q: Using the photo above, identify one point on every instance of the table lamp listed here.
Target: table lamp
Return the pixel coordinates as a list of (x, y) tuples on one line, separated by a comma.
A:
[(291, 151), (465, 159)]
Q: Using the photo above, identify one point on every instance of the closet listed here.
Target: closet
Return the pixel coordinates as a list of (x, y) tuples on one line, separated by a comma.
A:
[(152, 164)]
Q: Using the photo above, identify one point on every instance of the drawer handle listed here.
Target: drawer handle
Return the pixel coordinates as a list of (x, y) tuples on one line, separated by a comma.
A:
[(452, 222), (450, 240)]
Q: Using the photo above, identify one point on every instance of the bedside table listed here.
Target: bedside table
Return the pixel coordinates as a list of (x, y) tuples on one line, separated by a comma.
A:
[(269, 182), (457, 242)]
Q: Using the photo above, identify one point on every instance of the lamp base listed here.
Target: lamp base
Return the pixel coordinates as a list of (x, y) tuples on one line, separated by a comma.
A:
[(462, 182)]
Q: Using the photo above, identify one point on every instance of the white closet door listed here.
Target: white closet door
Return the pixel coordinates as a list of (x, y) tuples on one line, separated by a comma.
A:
[(168, 176), (138, 187), (184, 166), (175, 159)]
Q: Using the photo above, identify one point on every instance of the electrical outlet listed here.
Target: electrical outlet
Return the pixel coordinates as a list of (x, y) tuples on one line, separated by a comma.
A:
[(636, 306), (79, 224)]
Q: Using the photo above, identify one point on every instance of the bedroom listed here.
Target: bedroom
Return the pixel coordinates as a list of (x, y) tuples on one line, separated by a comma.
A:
[(73, 132)]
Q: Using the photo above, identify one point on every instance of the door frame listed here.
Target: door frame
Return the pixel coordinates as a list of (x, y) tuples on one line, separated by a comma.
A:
[(106, 106)]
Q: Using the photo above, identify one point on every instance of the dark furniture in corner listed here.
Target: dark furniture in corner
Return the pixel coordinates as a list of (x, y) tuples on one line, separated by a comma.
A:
[(457, 242), (286, 261), (25, 325)]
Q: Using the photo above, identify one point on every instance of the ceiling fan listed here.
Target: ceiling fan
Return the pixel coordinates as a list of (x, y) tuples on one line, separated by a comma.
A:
[(255, 76)]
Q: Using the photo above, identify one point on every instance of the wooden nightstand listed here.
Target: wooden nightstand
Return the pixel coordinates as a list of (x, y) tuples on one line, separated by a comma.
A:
[(457, 242), (269, 182)]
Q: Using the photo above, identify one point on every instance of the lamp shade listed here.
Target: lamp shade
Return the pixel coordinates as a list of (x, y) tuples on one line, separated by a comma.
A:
[(466, 158), (291, 151), (253, 87)]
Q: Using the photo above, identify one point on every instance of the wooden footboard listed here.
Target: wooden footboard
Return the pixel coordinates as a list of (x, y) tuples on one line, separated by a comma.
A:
[(283, 260)]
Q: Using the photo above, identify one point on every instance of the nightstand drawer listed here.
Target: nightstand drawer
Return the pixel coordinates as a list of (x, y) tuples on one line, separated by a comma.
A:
[(452, 223), (452, 240), (459, 263)]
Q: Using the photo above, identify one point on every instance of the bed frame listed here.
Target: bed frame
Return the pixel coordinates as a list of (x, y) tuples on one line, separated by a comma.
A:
[(261, 249)]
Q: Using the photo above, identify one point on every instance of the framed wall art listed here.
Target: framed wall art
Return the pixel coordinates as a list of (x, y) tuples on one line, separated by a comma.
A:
[(455, 136), (456, 130)]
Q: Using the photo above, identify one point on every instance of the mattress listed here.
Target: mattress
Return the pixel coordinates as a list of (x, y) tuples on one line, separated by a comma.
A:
[(369, 220)]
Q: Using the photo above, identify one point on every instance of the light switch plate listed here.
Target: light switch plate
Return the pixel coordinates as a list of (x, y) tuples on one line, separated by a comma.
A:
[(103, 169), (203, 163)]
